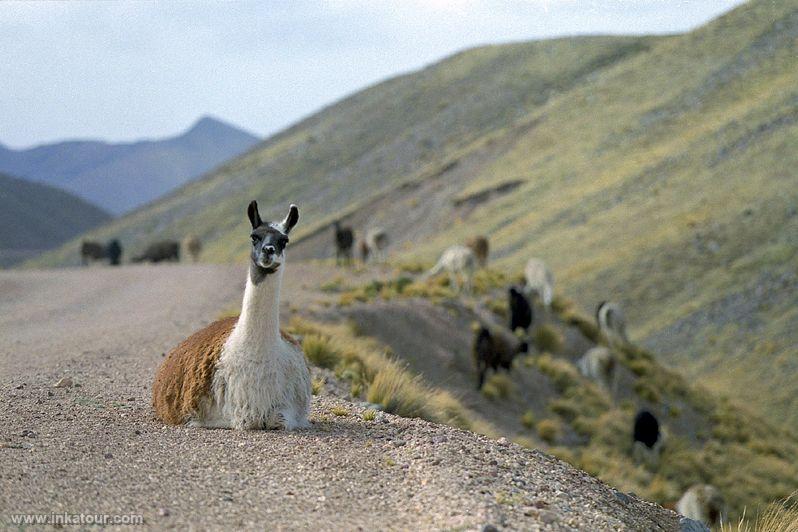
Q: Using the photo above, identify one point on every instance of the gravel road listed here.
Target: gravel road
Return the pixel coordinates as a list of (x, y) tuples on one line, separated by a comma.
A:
[(95, 447)]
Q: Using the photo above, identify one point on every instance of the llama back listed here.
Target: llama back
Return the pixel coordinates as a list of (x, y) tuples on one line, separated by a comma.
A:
[(185, 376)]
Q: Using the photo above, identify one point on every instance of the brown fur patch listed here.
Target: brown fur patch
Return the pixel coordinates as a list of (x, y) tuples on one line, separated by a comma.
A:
[(186, 375), (290, 339)]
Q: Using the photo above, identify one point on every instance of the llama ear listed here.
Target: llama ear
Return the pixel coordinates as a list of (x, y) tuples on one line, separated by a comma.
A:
[(254, 216), (290, 220)]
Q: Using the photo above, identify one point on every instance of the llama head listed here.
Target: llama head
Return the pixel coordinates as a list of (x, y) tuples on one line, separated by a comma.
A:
[(269, 239)]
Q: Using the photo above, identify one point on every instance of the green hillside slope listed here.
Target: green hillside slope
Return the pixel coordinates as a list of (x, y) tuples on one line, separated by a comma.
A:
[(658, 172)]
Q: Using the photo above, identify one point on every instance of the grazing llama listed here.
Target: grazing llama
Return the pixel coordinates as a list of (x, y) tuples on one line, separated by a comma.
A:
[(598, 364), (539, 281), (344, 240), (193, 246), (160, 251), (704, 503), (647, 439), (612, 323), (521, 313), (376, 242), (479, 245), (242, 373), (456, 261), (495, 348)]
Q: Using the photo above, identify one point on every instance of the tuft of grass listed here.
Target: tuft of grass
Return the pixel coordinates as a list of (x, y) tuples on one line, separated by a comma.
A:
[(398, 392), (528, 419), (369, 414), (779, 516), (320, 351), (548, 338), (549, 430), (339, 411), (562, 374), (498, 386), (317, 385)]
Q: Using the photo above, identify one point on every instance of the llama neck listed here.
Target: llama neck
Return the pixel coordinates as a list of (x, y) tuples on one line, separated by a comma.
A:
[(260, 312)]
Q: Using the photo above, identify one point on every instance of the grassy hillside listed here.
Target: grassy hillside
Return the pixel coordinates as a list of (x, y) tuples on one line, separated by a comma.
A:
[(658, 172), (36, 217), (544, 401)]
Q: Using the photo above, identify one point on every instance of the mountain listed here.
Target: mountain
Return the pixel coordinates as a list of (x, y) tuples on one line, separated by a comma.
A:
[(36, 217), (121, 177), (658, 172)]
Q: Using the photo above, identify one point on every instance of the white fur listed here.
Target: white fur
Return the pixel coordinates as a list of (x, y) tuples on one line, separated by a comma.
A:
[(598, 365), (539, 280), (377, 241), (261, 381), (457, 260), (612, 323), (700, 502)]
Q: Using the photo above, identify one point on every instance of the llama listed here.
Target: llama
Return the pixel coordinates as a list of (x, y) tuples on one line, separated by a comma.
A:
[(539, 281), (160, 251), (704, 503), (495, 348), (91, 251), (242, 373), (611, 323), (193, 246), (456, 261), (521, 314), (363, 250), (95, 251), (344, 239), (376, 241), (647, 439), (599, 365), (114, 252), (479, 245)]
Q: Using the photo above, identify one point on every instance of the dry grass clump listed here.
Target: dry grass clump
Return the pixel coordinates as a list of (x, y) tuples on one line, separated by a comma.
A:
[(549, 430), (498, 386), (317, 385), (548, 338), (398, 392), (369, 367), (528, 419), (369, 414), (779, 516), (561, 373), (320, 351)]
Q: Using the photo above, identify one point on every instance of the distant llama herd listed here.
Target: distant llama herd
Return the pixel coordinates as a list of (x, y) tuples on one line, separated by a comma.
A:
[(247, 373), (161, 251)]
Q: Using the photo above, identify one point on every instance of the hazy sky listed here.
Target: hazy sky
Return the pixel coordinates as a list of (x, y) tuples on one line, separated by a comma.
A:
[(130, 70)]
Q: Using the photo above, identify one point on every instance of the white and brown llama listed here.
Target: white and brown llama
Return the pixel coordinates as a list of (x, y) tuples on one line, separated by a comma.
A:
[(457, 261), (242, 373)]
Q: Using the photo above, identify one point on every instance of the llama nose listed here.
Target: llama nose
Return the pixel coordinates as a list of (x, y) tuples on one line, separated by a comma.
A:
[(268, 250)]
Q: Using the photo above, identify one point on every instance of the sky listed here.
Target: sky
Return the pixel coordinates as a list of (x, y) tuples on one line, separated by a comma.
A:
[(123, 71)]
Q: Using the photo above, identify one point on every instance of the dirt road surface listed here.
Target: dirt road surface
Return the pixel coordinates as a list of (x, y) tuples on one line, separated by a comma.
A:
[(95, 448)]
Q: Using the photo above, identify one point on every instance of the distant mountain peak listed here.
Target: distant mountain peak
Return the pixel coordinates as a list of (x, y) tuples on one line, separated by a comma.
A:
[(210, 125)]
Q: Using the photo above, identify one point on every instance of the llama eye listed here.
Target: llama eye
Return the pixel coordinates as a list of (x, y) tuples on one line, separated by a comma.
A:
[(255, 239)]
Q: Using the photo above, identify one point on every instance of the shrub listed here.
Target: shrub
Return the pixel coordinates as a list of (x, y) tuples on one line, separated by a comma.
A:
[(562, 374), (339, 411), (547, 338), (317, 385), (398, 392), (528, 419), (548, 430), (320, 351), (369, 414), (498, 386), (564, 408)]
